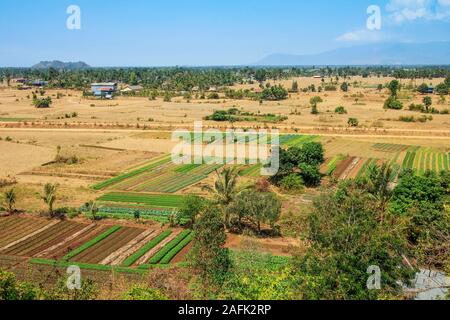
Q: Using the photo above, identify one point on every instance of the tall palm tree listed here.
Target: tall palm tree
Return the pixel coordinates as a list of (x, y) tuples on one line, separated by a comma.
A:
[(225, 189), (92, 209), (49, 196), (10, 200)]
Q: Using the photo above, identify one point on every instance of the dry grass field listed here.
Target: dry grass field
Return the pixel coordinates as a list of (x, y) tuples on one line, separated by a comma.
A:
[(109, 137)]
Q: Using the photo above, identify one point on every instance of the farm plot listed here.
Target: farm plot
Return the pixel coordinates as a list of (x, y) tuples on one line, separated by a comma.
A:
[(97, 250), (16, 229), (425, 159), (298, 141), (150, 200), (58, 250), (169, 250), (39, 242), (153, 164), (388, 147), (159, 176)]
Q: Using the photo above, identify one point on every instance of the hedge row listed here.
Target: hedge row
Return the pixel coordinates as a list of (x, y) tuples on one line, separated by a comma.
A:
[(90, 243), (134, 257), (88, 266), (167, 248)]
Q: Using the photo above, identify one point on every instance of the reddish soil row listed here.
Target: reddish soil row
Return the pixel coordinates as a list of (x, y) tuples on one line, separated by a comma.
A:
[(44, 239), (343, 166), (18, 229), (180, 257), (104, 248), (71, 245)]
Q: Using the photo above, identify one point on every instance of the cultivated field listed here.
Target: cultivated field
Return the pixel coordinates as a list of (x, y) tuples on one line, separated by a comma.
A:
[(92, 246)]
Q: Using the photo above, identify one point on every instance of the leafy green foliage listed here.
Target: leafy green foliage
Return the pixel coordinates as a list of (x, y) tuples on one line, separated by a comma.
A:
[(304, 161), (209, 259), (144, 293), (348, 234), (256, 207)]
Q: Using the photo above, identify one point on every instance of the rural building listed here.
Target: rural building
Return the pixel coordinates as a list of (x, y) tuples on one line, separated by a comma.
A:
[(430, 90), (39, 83), (104, 89), (129, 89)]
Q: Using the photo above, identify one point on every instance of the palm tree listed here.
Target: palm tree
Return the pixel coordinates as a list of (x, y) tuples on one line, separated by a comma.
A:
[(92, 209), (378, 182), (225, 189), (10, 200), (49, 196)]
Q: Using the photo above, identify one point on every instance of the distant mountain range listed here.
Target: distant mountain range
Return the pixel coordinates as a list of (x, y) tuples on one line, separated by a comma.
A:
[(432, 53), (59, 65)]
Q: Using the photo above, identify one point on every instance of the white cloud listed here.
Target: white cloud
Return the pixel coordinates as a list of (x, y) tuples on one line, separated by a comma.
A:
[(401, 11), (362, 35)]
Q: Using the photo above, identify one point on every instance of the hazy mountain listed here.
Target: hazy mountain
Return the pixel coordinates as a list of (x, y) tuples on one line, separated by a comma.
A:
[(433, 53), (60, 65)]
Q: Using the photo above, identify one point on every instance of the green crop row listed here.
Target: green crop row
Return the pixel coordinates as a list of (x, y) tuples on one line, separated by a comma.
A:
[(87, 266), (90, 243), (332, 165), (186, 168), (130, 174), (134, 257), (172, 253), (168, 247), (163, 201)]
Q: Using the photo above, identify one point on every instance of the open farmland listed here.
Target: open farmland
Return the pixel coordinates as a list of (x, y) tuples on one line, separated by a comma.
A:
[(93, 246)]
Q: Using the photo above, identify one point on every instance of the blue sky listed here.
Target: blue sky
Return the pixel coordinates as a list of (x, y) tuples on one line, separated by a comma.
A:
[(205, 32)]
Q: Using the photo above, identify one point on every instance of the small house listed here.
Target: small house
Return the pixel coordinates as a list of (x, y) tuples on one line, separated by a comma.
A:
[(104, 89), (39, 83), (430, 90)]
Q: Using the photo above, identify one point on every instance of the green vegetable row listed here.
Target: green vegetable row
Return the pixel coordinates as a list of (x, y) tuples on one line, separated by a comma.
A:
[(134, 257), (91, 243), (172, 253), (167, 248)]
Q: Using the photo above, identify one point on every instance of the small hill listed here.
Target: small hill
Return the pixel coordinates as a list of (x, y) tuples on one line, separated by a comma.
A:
[(59, 65)]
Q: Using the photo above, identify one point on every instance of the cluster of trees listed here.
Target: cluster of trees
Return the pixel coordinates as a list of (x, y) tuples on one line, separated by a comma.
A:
[(300, 166), (42, 103), (359, 227), (48, 196), (185, 79), (393, 102)]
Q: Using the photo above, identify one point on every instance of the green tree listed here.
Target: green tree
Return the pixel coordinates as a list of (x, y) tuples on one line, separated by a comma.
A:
[(257, 207), (393, 103), (344, 86), (421, 199), (340, 110), (347, 237), (423, 88), (11, 289), (294, 87), (49, 196), (9, 200), (394, 87), (192, 207), (209, 258), (92, 209), (225, 189), (314, 101), (353, 122), (427, 101)]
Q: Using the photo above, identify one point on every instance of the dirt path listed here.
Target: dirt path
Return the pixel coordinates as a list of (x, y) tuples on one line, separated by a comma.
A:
[(325, 132)]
